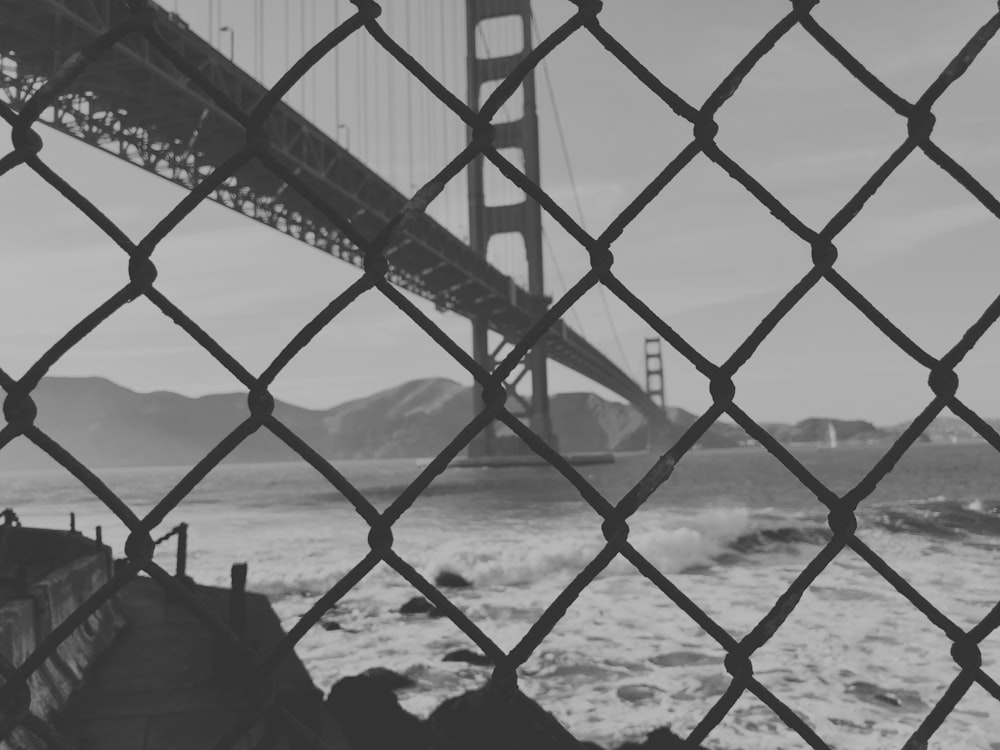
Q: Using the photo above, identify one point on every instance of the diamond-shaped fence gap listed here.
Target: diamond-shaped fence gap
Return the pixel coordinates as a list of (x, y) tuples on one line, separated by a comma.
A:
[(906, 250), (938, 529), (804, 128), (366, 392), (975, 721), (846, 364), (938, 32), (118, 416), (589, 419), (877, 673), (751, 555), (691, 46), (219, 269), (540, 532), (577, 85), (671, 256)]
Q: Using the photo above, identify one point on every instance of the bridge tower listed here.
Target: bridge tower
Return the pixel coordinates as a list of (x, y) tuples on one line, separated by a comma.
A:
[(656, 436), (654, 372), (523, 218)]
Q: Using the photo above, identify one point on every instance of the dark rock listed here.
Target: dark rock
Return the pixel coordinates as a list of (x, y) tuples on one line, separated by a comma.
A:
[(329, 624), (661, 739), (683, 659), (903, 699), (487, 719), (388, 679), (638, 693), (470, 657), (371, 718), (419, 606), (448, 579)]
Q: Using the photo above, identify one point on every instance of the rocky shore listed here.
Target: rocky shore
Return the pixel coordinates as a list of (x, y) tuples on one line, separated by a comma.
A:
[(368, 712)]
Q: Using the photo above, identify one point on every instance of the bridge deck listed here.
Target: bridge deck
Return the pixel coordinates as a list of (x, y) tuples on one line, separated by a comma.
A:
[(134, 103)]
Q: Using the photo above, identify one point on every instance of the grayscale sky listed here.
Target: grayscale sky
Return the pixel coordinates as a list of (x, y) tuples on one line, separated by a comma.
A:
[(705, 255)]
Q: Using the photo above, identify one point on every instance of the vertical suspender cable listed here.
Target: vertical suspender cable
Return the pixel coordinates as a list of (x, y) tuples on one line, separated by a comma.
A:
[(312, 43), (409, 102), (576, 198), (366, 70), (429, 125), (376, 106), (302, 51), (359, 87), (446, 123), (336, 70), (391, 115)]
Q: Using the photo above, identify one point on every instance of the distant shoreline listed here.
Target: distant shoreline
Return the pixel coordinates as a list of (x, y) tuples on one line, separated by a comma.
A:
[(417, 460)]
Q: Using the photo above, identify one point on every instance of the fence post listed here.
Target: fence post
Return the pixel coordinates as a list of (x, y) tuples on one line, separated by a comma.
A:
[(182, 551), (238, 599)]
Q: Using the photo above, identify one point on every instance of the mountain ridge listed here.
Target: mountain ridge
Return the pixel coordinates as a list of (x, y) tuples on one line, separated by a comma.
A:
[(104, 424)]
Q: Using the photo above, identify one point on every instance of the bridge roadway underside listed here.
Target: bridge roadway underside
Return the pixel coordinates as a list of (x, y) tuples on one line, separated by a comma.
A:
[(135, 104)]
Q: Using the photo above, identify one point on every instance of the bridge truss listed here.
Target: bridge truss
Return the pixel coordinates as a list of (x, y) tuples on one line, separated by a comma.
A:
[(135, 104)]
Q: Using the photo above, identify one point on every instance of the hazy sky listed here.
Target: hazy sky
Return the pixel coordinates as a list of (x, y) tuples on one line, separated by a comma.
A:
[(705, 255)]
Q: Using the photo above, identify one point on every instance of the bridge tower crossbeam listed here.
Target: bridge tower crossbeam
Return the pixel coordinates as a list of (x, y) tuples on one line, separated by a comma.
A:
[(525, 218)]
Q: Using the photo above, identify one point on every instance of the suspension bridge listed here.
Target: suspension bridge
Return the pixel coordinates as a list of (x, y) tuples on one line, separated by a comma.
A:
[(354, 132)]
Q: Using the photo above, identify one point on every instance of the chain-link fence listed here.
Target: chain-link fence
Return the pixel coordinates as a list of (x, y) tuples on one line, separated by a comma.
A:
[(142, 21)]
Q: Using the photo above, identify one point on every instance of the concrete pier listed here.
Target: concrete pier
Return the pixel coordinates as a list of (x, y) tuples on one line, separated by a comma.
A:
[(166, 683), (143, 672)]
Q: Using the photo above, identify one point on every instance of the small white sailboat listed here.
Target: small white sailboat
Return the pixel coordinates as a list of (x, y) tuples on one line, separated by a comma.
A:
[(831, 435)]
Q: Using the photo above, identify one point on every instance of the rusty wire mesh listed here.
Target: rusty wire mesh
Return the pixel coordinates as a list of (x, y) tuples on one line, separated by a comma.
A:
[(19, 409)]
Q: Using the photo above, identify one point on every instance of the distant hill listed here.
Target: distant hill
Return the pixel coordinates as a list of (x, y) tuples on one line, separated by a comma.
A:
[(954, 430), (817, 430), (104, 424)]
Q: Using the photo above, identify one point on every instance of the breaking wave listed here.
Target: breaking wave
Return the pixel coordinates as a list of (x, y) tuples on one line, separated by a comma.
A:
[(689, 543), (682, 544)]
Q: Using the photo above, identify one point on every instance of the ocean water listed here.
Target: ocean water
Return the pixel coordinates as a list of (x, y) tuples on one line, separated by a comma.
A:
[(731, 529)]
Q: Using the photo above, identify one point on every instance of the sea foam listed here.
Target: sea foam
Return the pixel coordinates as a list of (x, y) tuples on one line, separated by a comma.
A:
[(671, 543)]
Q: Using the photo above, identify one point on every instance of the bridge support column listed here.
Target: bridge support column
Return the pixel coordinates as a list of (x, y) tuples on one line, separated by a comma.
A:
[(654, 372), (657, 435), (524, 218)]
